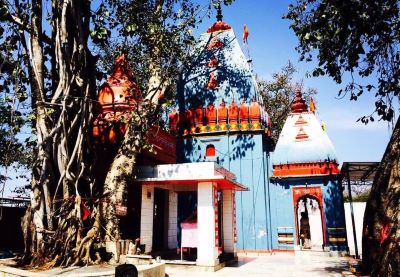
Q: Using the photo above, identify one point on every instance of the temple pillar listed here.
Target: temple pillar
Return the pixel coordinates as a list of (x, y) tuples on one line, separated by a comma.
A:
[(207, 252), (228, 221), (172, 220), (146, 217)]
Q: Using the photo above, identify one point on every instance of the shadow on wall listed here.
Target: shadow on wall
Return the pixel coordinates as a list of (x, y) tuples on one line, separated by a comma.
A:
[(194, 149), (333, 202), (232, 82)]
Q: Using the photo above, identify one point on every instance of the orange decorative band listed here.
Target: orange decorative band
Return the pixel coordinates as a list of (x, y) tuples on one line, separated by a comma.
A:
[(302, 169)]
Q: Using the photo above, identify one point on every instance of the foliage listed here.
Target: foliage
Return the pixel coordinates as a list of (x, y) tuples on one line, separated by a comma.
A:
[(278, 96), (355, 37), (49, 78), (150, 38), (14, 107)]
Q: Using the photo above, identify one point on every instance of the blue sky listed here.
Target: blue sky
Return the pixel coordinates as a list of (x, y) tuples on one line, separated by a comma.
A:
[(272, 44)]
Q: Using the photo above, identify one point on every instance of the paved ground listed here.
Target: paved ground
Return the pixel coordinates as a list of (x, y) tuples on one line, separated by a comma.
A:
[(279, 264), (275, 265)]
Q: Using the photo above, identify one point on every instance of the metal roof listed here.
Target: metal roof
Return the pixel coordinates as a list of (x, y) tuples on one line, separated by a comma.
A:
[(359, 171)]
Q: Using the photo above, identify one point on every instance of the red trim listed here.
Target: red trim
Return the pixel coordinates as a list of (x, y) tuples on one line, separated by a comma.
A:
[(301, 135), (216, 217), (305, 169), (300, 121), (222, 184)]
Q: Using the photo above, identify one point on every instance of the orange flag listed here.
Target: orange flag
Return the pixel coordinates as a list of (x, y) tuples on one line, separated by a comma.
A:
[(245, 33), (312, 105)]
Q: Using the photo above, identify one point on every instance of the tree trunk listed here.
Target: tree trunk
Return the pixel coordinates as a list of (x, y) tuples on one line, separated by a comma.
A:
[(54, 231), (117, 180), (381, 230)]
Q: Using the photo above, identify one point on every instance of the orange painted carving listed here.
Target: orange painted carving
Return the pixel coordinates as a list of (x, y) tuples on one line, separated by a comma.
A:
[(117, 98), (222, 112), (233, 111), (299, 105), (211, 114), (213, 62), (215, 43), (198, 116), (255, 111), (212, 82), (244, 112)]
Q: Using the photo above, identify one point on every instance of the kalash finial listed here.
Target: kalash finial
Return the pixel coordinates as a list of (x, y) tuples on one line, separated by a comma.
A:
[(219, 25), (299, 105)]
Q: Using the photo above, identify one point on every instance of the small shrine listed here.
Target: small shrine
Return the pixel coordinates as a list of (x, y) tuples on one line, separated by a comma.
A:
[(305, 190)]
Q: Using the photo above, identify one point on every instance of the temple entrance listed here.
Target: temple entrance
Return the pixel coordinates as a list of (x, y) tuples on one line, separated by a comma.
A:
[(309, 222), (160, 218), (309, 217)]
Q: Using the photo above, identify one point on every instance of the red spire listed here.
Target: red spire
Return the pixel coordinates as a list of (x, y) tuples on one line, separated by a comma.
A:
[(299, 105)]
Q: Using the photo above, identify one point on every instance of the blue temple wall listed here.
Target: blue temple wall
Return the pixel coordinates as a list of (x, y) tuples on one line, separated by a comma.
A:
[(282, 206), (245, 156)]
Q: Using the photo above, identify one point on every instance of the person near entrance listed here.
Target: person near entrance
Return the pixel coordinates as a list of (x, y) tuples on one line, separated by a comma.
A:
[(305, 234)]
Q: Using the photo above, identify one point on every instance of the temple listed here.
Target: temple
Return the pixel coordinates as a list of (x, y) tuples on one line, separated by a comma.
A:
[(216, 184), (305, 189)]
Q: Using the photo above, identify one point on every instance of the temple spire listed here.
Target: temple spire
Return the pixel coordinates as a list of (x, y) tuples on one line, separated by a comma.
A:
[(219, 11)]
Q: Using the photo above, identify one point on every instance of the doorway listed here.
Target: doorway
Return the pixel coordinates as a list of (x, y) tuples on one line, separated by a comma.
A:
[(160, 219), (309, 223), (130, 224)]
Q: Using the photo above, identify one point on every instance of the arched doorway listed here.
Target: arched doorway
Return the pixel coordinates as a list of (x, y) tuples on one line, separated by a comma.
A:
[(309, 217)]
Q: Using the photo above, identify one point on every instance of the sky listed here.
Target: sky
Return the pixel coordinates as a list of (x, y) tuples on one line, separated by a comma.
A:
[(272, 44)]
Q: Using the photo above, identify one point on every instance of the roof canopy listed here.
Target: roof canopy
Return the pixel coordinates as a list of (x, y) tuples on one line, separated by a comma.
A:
[(359, 172), (188, 174)]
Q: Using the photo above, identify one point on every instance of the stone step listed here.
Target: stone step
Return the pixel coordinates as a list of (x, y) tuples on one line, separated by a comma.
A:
[(312, 253)]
